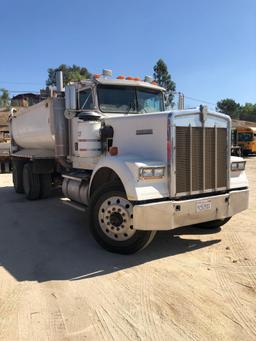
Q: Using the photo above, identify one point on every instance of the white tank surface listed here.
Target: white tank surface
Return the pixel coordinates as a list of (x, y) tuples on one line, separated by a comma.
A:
[(32, 128)]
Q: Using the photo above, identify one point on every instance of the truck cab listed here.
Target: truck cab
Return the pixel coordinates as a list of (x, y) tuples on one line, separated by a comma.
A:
[(138, 167)]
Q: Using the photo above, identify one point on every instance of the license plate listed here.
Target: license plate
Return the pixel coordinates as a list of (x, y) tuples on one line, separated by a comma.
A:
[(203, 205)]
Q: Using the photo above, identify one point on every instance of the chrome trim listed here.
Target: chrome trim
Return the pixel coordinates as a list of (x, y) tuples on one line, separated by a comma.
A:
[(72, 178), (215, 156), (183, 194), (172, 181), (173, 158), (169, 151), (203, 127), (190, 157), (228, 151)]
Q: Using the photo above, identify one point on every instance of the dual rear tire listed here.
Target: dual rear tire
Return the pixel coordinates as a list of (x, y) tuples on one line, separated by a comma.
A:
[(34, 186)]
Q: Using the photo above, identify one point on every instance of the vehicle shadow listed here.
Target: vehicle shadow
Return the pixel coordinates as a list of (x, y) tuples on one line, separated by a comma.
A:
[(48, 240)]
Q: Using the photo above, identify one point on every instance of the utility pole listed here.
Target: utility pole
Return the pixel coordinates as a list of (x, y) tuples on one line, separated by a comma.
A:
[(181, 101)]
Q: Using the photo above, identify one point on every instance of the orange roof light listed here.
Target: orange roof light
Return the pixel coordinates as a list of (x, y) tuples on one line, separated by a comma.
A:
[(154, 83), (137, 78), (129, 78), (96, 75), (120, 77)]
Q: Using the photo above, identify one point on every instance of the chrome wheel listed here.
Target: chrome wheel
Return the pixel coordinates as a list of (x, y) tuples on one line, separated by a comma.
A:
[(116, 218)]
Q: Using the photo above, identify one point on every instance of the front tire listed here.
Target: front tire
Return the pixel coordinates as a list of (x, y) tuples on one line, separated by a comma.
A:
[(111, 221)]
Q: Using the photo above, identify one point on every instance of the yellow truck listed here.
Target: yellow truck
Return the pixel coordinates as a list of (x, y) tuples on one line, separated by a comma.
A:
[(247, 139)]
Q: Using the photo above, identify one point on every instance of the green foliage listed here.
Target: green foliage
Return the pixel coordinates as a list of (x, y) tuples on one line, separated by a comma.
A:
[(4, 98), (163, 78), (229, 107), (248, 112), (245, 112), (70, 73)]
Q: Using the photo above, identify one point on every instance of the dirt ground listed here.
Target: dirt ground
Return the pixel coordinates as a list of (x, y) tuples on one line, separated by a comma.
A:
[(56, 283)]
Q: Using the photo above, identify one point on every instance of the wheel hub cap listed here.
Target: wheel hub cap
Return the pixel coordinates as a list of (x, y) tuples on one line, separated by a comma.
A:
[(116, 218)]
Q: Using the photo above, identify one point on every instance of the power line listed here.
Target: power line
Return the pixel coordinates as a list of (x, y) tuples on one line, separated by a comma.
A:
[(27, 83), (23, 91), (199, 100), (176, 93)]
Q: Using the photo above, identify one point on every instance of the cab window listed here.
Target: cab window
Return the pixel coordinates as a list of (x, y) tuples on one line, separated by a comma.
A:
[(85, 101)]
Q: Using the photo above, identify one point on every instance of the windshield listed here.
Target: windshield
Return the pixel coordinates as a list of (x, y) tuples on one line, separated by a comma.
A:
[(245, 137), (128, 99)]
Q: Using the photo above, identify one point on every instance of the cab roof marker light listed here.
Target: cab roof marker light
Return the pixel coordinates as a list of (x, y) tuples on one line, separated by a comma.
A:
[(137, 79), (107, 73), (148, 79), (120, 77), (96, 75), (130, 78)]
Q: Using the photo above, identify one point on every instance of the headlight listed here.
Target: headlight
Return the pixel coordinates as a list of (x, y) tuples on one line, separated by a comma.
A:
[(151, 172), (238, 166)]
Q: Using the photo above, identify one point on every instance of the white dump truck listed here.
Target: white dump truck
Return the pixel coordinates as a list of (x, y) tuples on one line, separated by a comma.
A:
[(138, 167)]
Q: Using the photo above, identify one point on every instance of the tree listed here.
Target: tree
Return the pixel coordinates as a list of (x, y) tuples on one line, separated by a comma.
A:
[(163, 78), (248, 112), (70, 73), (4, 98), (229, 107)]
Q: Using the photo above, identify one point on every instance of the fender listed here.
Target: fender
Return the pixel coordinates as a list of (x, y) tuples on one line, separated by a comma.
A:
[(127, 168)]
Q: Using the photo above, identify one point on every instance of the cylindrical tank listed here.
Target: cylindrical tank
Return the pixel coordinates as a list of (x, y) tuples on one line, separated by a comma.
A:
[(75, 190), (89, 144), (32, 128)]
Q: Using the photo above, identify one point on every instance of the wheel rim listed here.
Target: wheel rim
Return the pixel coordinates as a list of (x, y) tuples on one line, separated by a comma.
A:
[(116, 218)]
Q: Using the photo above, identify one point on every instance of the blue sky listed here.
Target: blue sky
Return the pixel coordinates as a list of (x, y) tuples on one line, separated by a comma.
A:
[(209, 46)]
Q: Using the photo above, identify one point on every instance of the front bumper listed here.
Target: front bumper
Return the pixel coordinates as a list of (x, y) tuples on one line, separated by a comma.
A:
[(167, 215)]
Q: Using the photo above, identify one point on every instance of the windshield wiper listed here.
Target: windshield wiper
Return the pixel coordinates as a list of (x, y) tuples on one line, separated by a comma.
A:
[(131, 106)]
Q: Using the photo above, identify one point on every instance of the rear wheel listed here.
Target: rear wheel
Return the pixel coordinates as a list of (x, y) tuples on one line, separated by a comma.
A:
[(111, 221), (45, 185), (31, 182), (212, 225), (17, 176)]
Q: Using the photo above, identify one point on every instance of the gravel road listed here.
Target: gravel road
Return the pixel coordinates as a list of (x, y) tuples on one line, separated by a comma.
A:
[(57, 284)]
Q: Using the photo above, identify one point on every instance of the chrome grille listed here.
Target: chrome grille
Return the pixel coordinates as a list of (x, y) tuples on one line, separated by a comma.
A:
[(201, 159)]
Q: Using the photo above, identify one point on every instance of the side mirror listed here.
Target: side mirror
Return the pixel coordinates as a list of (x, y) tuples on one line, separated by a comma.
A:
[(70, 97)]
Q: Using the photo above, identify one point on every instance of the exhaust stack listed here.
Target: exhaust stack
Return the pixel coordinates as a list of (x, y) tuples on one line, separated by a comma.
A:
[(59, 81)]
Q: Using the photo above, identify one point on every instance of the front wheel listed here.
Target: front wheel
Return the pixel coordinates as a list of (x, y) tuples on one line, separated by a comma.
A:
[(111, 221)]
